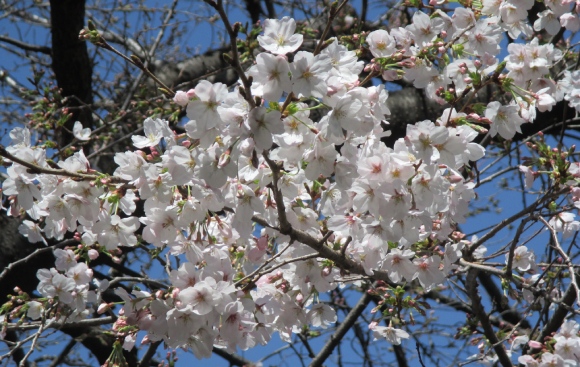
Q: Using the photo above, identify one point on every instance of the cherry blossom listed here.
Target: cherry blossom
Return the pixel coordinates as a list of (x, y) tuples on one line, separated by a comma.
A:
[(265, 206), (279, 37)]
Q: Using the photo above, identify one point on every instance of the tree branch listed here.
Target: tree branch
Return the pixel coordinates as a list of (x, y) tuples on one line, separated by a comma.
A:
[(26, 46), (476, 305), (341, 331), (234, 359)]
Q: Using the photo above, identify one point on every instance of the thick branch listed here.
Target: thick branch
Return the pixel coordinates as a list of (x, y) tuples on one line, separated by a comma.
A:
[(471, 284), (341, 331)]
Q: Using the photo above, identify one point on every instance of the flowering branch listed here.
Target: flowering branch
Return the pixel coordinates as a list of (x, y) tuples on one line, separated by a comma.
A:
[(324, 251), (259, 269), (57, 172), (37, 252), (514, 242)]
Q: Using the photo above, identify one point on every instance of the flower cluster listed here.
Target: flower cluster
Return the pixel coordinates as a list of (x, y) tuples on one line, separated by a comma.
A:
[(562, 351), (314, 186)]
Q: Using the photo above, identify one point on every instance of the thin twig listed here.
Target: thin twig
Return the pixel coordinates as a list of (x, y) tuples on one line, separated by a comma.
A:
[(504, 223), (234, 359), (565, 256), (419, 354), (67, 349), (264, 264), (150, 54), (277, 266), (35, 340), (26, 46), (138, 280)]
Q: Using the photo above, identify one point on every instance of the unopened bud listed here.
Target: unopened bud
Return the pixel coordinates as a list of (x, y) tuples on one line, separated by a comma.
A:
[(93, 254)]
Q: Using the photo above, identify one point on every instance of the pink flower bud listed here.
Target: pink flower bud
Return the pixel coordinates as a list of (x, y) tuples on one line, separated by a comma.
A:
[(175, 293), (103, 307), (181, 98), (534, 344), (93, 254)]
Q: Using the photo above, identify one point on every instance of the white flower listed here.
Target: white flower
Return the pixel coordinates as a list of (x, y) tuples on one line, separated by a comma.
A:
[(392, 335), (279, 37), (263, 124), (80, 133), (113, 231), (205, 109), (65, 259), (34, 310), (381, 43), (321, 315), (155, 130), (505, 119), (200, 298), (549, 21), (564, 222), (32, 231), (309, 73), (399, 265), (271, 76), (320, 160), (428, 271), (423, 28), (523, 259)]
